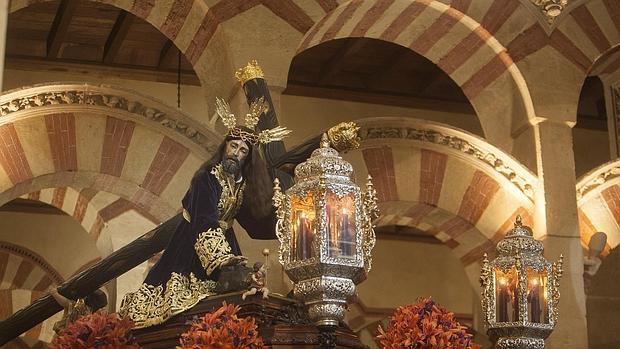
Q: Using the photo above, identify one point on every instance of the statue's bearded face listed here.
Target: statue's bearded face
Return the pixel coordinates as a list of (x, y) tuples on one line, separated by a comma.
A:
[(234, 156)]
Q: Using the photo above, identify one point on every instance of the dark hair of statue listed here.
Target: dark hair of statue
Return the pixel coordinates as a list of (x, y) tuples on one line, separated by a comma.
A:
[(258, 185)]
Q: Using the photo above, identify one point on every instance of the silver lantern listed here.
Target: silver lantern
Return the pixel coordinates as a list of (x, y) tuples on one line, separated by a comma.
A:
[(520, 291), (326, 233)]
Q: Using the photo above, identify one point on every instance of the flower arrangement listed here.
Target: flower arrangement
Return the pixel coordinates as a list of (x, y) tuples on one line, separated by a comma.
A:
[(222, 329), (424, 325), (97, 330)]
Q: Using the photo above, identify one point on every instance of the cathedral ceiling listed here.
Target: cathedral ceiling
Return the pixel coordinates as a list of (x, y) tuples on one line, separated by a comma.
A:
[(488, 48), (76, 34)]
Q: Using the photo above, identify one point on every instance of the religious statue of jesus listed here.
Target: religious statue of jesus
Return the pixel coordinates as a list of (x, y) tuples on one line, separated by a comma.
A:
[(233, 184), (236, 183)]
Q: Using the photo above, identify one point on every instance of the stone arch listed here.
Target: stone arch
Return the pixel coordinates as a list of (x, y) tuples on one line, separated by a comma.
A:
[(25, 269), (193, 27), (24, 277), (465, 49), (94, 209), (197, 29), (592, 28), (98, 150), (39, 335), (570, 48), (413, 164), (598, 203)]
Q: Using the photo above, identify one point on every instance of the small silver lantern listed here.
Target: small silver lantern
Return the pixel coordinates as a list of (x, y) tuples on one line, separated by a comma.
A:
[(520, 291), (326, 233)]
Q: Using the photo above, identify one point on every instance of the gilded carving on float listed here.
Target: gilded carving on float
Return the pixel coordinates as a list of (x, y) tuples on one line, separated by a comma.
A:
[(89, 95), (498, 162), (344, 136)]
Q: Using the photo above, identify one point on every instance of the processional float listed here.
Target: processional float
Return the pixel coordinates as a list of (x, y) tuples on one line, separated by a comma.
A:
[(326, 235), (284, 310)]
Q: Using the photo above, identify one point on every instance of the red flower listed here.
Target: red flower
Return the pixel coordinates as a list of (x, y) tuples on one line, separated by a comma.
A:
[(98, 330), (222, 329), (424, 325)]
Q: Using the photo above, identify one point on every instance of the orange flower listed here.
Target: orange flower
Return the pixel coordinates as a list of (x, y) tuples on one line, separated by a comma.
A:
[(424, 325), (222, 329), (98, 330)]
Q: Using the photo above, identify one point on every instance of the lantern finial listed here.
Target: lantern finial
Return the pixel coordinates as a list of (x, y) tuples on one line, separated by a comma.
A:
[(518, 221)]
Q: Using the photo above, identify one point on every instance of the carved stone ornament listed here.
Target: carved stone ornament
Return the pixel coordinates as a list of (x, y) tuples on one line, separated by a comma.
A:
[(107, 97), (596, 180), (501, 163), (551, 9)]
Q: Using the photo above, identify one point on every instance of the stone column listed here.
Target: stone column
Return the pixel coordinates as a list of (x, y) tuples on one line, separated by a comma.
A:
[(556, 221), (4, 17)]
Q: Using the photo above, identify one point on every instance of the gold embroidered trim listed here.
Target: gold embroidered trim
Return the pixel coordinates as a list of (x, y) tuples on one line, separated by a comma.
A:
[(212, 249), (231, 197), (151, 305), (224, 225)]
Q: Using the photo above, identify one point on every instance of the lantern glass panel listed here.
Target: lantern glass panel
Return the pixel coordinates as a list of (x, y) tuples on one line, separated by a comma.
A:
[(341, 226), (303, 226), (537, 310), (507, 299)]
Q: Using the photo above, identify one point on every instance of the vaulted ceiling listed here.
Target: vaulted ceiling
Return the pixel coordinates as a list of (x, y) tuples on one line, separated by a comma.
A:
[(371, 70), (71, 35)]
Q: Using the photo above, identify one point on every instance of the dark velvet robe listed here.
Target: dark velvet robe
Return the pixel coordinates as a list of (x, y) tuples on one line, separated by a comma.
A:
[(180, 267), (201, 203)]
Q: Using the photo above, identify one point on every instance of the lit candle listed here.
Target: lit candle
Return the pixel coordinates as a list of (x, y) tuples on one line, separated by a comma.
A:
[(295, 237), (345, 239), (308, 239), (515, 298), (332, 226), (502, 300), (533, 299), (302, 235)]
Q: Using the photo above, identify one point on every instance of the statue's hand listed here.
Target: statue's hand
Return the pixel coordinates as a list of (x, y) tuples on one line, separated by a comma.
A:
[(234, 260), (344, 136)]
